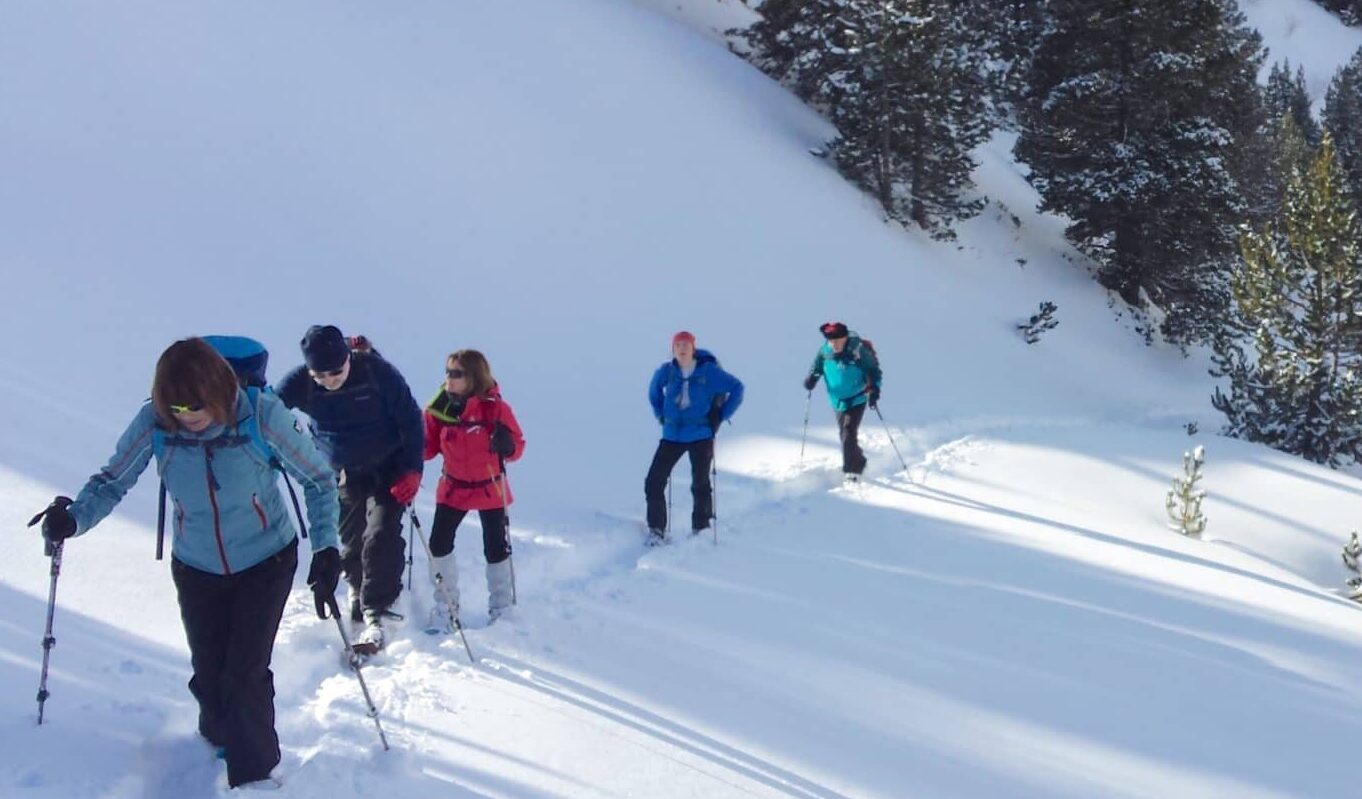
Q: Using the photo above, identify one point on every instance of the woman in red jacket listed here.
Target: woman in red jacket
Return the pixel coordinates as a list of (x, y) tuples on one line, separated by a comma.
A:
[(476, 432)]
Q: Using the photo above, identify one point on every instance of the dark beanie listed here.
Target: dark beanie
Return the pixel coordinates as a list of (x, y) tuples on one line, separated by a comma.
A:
[(324, 348), (831, 330)]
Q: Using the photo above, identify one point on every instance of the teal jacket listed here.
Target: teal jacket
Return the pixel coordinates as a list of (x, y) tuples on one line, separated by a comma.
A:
[(848, 375), (228, 513)]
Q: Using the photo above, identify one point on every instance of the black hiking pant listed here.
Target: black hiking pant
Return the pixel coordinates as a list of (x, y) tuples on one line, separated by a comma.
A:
[(230, 621), (701, 492), (372, 548), (496, 532), (849, 428)]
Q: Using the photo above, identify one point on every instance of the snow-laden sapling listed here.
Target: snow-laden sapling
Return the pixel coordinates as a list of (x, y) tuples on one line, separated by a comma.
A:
[(1352, 553), (1041, 321), (1184, 501)]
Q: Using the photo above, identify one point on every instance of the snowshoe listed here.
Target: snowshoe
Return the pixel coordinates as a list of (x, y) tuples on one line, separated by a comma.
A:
[(438, 622)]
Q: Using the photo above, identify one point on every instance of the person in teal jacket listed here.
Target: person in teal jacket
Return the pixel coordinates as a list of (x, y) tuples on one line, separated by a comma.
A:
[(851, 373), (234, 548)]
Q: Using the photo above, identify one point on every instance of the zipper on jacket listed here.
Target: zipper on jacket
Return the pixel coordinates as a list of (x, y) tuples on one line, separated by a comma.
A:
[(259, 511), (213, 500)]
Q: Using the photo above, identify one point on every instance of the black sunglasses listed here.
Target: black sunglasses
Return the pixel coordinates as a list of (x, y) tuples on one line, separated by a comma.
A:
[(455, 373)]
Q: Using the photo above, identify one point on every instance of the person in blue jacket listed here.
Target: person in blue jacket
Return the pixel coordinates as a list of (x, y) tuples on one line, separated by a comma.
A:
[(234, 549), (367, 422), (851, 372), (691, 396)]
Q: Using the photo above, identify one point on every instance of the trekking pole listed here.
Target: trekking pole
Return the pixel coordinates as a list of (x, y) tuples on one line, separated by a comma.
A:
[(297, 509), (440, 586), (668, 527), (161, 522), (411, 557), (804, 438), (891, 437), (53, 551), (506, 514), (357, 668), (714, 487)]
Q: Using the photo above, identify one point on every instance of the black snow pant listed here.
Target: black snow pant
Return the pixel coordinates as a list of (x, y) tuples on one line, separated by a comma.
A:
[(231, 621), (496, 532), (701, 492), (372, 547), (849, 427)]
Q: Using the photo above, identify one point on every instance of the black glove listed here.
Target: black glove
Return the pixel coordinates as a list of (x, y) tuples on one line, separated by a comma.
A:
[(503, 443), (58, 523), (874, 396), (810, 381), (322, 578), (716, 417)]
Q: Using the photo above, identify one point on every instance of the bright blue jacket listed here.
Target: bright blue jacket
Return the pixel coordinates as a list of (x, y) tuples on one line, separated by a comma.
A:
[(228, 512), (708, 384), (848, 375)]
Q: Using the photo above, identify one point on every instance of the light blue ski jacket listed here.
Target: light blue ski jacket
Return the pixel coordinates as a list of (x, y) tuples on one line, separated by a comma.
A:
[(228, 513)]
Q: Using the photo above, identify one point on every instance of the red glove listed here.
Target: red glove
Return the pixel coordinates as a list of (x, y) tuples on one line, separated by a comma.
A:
[(404, 490)]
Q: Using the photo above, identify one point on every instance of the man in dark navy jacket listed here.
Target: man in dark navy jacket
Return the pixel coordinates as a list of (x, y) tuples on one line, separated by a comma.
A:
[(366, 421)]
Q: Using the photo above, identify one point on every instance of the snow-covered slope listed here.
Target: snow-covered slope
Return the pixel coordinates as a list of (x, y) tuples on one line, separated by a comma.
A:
[(1302, 32), (563, 186)]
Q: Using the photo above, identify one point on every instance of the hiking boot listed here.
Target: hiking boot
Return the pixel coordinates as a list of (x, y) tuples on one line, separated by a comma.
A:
[(500, 588), (444, 568), (370, 639), (656, 537)]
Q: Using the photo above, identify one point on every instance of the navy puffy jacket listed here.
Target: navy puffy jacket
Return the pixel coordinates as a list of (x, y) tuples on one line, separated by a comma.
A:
[(371, 423)]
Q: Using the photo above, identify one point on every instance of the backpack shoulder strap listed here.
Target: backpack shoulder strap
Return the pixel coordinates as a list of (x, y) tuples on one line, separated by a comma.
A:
[(252, 430)]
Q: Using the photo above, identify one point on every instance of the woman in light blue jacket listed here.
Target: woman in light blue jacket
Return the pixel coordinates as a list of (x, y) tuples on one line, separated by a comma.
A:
[(234, 546)]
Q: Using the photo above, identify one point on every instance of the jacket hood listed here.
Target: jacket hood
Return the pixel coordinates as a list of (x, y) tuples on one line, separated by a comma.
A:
[(701, 357)]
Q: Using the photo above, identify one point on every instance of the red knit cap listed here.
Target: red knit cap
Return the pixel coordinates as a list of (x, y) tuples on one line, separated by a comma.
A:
[(684, 335)]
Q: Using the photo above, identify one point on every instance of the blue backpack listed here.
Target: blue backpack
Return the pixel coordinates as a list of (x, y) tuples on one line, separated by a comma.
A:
[(248, 358)]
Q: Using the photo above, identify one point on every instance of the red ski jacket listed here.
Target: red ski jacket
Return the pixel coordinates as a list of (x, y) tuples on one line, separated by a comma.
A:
[(472, 478)]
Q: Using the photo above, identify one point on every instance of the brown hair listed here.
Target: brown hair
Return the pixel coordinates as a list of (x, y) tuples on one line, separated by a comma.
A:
[(480, 380), (191, 372)]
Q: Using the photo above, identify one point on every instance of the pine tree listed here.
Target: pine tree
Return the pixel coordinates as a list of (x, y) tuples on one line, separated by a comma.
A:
[(1350, 11), (1133, 128), (1286, 96), (911, 110), (1183, 502), (1006, 31), (1343, 120), (903, 82), (1298, 308), (805, 44)]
